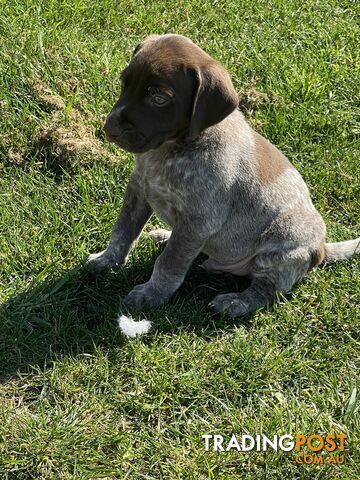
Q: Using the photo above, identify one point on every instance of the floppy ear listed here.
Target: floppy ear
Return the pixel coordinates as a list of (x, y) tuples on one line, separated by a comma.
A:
[(214, 100)]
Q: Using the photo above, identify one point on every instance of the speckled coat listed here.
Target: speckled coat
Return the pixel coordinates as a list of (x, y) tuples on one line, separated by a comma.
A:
[(231, 194)]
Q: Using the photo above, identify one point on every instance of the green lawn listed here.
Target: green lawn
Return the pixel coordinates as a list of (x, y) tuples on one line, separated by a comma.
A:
[(77, 399)]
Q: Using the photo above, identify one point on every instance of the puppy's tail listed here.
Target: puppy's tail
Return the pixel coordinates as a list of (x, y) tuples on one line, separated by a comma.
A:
[(341, 250)]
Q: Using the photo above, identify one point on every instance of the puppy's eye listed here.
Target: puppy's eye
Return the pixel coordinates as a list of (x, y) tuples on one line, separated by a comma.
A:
[(157, 97)]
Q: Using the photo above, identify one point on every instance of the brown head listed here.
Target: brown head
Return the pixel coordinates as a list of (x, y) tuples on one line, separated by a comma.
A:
[(171, 88)]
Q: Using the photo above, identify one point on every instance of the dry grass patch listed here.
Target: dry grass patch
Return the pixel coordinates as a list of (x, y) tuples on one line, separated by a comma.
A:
[(250, 98), (69, 133), (15, 156)]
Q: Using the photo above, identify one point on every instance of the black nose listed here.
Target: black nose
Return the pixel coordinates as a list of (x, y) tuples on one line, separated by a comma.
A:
[(112, 124), (117, 122)]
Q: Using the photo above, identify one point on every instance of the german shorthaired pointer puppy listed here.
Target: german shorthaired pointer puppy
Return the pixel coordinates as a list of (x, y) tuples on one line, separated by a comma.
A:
[(223, 188)]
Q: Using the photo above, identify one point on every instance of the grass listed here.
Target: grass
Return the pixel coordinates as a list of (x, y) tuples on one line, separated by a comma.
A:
[(77, 400)]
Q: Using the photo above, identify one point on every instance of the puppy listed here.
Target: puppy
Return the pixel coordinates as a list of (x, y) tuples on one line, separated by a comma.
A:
[(223, 188)]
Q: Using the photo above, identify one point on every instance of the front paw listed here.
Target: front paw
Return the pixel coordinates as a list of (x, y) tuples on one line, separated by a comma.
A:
[(144, 295), (101, 261), (230, 304)]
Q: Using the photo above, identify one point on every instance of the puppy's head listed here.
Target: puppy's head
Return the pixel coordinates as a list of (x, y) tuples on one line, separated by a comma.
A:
[(171, 88)]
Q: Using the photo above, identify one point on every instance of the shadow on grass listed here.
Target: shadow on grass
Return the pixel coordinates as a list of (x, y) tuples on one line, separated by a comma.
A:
[(76, 313)]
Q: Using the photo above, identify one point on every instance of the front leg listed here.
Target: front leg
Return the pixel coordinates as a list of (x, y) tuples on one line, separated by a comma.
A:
[(170, 268), (133, 216)]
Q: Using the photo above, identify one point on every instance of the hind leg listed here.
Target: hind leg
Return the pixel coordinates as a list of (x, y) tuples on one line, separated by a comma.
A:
[(259, 294), (272, 273)]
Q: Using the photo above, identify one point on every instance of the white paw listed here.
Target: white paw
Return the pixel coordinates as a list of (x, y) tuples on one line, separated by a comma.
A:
[(144, 296), (160, 236), (101, 261), (230, 304)]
